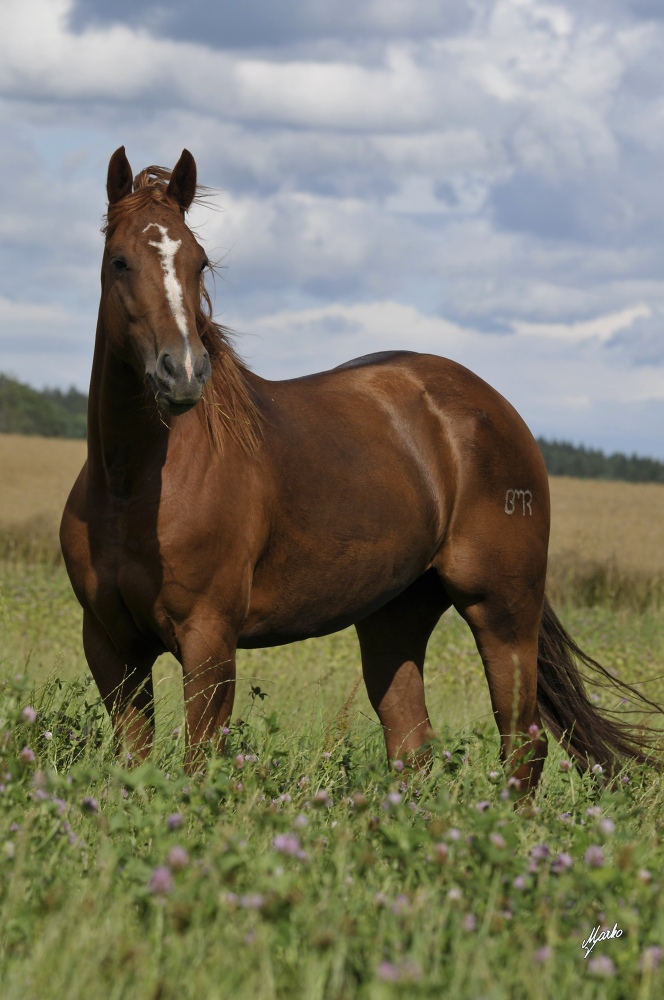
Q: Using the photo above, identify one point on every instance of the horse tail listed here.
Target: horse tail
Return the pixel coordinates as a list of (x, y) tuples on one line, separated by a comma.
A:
[(587, 733)]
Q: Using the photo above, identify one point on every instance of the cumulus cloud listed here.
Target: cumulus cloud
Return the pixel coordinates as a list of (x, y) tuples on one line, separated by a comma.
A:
[(483, 179)]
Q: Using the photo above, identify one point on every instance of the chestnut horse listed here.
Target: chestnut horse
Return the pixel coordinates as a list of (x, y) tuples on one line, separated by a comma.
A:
[(218, 510)]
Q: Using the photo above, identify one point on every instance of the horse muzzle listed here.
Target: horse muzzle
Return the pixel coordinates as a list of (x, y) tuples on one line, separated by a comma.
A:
[(177, 384)]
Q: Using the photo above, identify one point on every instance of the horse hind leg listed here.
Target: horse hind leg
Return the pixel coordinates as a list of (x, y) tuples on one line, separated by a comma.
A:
[(393, 642), (505, 622)]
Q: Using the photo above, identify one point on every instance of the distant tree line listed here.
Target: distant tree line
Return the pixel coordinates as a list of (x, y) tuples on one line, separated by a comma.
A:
[(565, 459), (53, 413)]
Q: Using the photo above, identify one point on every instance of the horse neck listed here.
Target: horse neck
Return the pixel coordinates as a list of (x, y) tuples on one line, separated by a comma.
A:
[(124, 437)]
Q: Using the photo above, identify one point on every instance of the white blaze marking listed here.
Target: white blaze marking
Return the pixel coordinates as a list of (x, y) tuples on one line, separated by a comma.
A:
[(167, 250)]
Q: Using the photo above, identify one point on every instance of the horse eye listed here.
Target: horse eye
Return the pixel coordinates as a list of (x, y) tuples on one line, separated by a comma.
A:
[(204, 264), (119, 265)]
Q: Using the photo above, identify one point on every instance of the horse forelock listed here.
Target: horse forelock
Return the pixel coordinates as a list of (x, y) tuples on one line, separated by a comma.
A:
[(227, 407)]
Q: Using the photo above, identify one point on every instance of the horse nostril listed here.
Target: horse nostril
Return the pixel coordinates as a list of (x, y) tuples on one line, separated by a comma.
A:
[(167, 365)]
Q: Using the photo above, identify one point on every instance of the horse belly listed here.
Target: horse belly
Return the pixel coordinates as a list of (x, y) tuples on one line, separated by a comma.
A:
[(316, 591)]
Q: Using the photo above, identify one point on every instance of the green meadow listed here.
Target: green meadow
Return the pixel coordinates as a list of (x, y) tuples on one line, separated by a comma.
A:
[(298, 864)]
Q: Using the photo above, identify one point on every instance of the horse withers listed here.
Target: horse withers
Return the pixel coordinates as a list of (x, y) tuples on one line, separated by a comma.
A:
[(219, 510)]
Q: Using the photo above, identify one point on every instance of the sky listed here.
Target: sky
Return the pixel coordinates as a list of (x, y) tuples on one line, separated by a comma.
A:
[(480, 179)]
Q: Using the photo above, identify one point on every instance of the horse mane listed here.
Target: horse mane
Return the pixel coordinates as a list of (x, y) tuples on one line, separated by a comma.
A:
[(229, 407)]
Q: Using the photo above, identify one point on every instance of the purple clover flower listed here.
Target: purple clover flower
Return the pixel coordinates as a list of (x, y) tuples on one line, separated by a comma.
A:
[(29, 714), (565, 766), (177, 858), (174, 821), (27, 756), (562, 863), (161, 882), (288, 843), (601, 966), (650, 958), (594, 856)]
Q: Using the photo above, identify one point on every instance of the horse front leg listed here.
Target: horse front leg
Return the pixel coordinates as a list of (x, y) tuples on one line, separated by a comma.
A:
[(125, 685), (208, 667)]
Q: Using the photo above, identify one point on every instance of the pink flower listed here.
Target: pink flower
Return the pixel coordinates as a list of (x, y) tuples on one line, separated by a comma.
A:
[(177, 858), (161, 882), (534, 731), (601, 965), (565, 765), (174, 821), (90, 804), (497, 840), (29, 714), (562, 863), (27, 756), (594, 856), (288, 843), (543, 954)]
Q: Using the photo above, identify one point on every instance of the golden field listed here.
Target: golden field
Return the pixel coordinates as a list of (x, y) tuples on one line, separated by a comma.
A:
[(618, 527)]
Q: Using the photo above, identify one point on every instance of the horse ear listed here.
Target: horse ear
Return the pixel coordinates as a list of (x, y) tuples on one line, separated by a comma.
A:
[(182, 185), (120, 180)]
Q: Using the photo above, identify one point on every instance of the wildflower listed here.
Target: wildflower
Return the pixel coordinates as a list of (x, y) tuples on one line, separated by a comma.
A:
[(565, 817), (177, 858), (326, 755), (400, 904), (625, 779), (239, 761), (607, 826), (594, 856), (483, 806), (447, 755), (89, 804), (565, 766), (562, 863), (300, 821), (594, 812), (494, 775), (543, 954), (650, 958), (453, 834), (601, 965), (534, 731), (406, 971), (469, 922), (644, 876), (176, 732), (29, 714), (381, 899), (161, 882), (48, 735), (27, 756), (442, 852), (285, 797), (288, 843), (251, 758), (388, 972), (497, 840), (398, 765), (252, 901), (322, 798), (519, 883), (540, 852), (598, 769), (454, 894), (174, 821), (393, 799), (514, 783)]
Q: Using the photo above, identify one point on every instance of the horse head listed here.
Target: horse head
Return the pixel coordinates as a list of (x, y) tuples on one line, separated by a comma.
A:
[(152, 280)]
